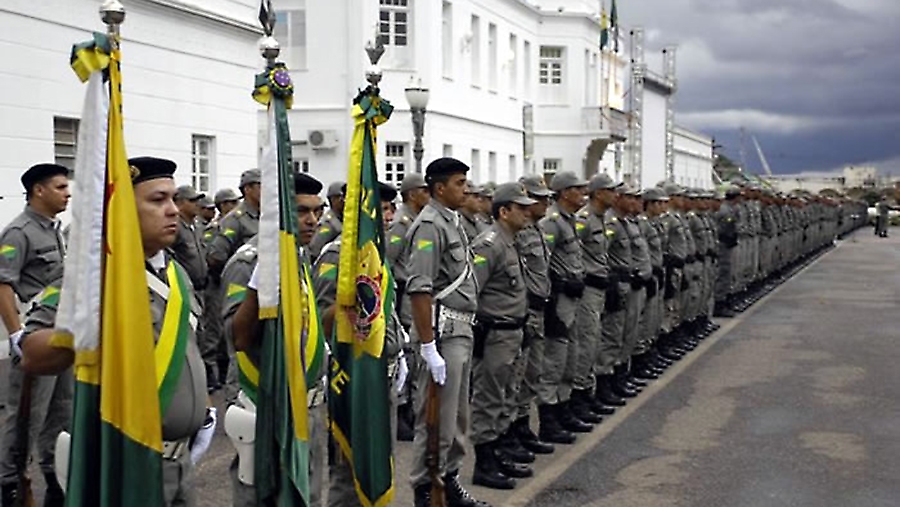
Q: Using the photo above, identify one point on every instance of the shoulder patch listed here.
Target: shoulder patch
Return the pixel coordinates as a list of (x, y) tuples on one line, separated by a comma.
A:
[(49, 296), (580, 226), (549, 238), (480, 259), (236, 293), (324, 230), (610, 232), (229, 232), (396, 238), (425, 245), (328, 271), (8, 251)]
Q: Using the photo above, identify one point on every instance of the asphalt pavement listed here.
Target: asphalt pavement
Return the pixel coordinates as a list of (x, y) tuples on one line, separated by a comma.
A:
[(792, 403)]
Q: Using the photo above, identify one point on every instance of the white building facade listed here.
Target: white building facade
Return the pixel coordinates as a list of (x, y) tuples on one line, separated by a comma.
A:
[(187, 76)]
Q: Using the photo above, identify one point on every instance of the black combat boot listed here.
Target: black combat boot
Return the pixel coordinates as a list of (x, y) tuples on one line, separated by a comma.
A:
[(642, 369), (529, 440), (55, 496), (620, 385), (605, 393), (509, 446), (723, 309), (550, 429), (568, 420), (597, 406), (580, 406), (508, 466), (455, 495), (487, 470)]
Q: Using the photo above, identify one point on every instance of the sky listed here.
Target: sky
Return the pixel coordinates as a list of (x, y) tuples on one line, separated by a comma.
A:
[(816, 81)]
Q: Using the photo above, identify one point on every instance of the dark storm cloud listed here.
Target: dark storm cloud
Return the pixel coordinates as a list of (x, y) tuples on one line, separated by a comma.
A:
[(815, 80)]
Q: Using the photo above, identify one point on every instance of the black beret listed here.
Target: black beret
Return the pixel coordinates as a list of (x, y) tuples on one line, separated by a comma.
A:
[(306, 184), (445, 165), (40, 172), (150, 168), (388, 192)]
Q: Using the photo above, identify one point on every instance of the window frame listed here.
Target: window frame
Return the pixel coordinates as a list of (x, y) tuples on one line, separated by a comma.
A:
[(197, 175)]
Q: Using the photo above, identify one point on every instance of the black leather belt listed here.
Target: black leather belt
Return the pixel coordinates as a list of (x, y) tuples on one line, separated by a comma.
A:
[(597, 282)]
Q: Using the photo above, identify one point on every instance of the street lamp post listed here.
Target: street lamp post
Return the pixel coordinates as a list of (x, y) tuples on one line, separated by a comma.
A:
[(417, 96)]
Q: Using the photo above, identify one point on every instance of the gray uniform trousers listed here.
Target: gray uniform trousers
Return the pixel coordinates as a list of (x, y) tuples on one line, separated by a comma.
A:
[(610, 352), (673, 304), (690, 293), (493, 383), (589, 329), (532, 363), (725, 279), (177, 476), (245, 496), (51, 413), (556, 380), (710, 271), (635, 305), (211, 330), (649, 323), (341, 487), (456, 348)]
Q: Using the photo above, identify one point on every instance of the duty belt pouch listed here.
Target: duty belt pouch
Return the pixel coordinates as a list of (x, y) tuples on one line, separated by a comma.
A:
[(651, 288), (553, 326), (574, 289), (479, 335), (672, 283), (614, 301)]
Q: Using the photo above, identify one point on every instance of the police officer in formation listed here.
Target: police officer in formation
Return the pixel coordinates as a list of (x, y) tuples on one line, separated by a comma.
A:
[(568, 299)]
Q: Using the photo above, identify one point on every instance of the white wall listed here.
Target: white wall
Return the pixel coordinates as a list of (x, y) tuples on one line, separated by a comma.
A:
[(182, 75), (653, 167), (693, 159)]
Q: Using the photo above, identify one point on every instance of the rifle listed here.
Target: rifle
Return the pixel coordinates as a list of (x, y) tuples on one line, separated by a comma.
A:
[(24, 495), (433, 427)]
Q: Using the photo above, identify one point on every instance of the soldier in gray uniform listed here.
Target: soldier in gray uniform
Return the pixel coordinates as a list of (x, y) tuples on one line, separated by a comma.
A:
[(188, 417), (225, 201), (31, 258), (557, 421), (242, 333), (727, 220), (535, 270), (643, 366), (238, 226), (470, 213), (441, 284), (331, 224), (641, 276), (675, 257), (414, 192), (206, 214), (594, 355), (497, 344)]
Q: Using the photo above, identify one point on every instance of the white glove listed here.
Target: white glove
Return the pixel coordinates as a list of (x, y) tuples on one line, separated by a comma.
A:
[(436, 363), (402, 372), (204, 437), (15, 346), (254, 278)]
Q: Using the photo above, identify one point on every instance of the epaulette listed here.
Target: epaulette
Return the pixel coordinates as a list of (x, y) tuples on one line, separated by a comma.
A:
[(584, 213), (554, 215), (428, 215), (613, 219), (238, 212), (247, 252), (332, 245), (405, 219), (642, 217)]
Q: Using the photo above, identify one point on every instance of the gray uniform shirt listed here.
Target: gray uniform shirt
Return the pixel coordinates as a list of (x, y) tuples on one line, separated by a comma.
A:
[(235, 229), (591, 230), (620, 257), (187, 412), (436, 254), (472, 225), (640, 250), (566, 263), (501, 289), (676, 246), (31, 253), (535, 260), (189, 251), (396, 235), (651, 235)]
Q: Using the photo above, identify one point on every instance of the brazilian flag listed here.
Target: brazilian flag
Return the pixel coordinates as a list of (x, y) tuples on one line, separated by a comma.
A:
[(359, 393)]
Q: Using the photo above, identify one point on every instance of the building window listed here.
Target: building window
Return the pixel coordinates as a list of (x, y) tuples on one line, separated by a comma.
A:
[(492, 166), (475, 165), (492, 57), (551, 167), (447, 39), (476, 50), (395, 163), (300, 156), (550, 74), (65, 141), (290, 32), (394, 22), (202, 161), (513, 63), (526, 57), (513, 170), (448, 150)]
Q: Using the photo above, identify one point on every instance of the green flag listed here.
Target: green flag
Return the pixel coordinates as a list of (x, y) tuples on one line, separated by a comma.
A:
[(614, 24), (604, 29), (359, 401)]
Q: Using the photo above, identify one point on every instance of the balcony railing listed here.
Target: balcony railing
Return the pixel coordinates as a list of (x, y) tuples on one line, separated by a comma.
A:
[(605, 122)]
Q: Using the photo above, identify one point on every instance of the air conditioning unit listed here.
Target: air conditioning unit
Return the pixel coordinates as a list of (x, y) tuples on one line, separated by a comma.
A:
[(322, 139)]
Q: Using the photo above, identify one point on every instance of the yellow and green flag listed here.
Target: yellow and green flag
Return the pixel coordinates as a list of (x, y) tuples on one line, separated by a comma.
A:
[(358, 401), (116, 453)]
